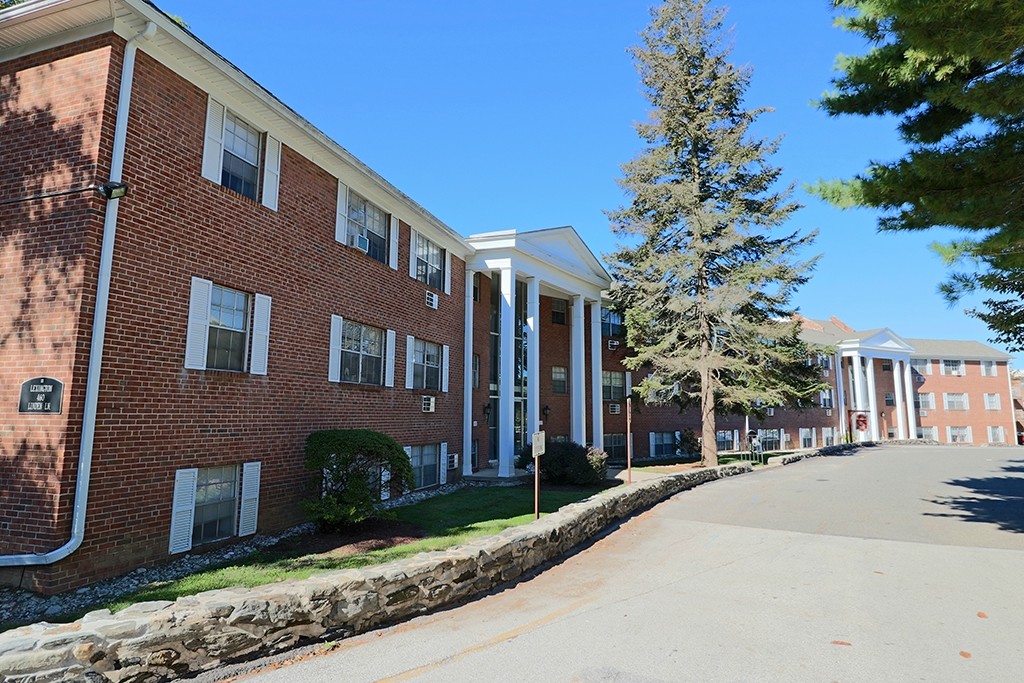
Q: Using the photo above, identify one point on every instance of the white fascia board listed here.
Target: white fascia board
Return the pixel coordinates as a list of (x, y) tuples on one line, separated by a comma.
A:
[(190, 58)]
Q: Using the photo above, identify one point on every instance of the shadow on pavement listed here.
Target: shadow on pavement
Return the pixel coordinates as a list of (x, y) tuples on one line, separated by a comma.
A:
[(995, 500)]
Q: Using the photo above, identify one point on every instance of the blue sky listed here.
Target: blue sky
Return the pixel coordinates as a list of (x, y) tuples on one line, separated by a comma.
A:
[(518, 115)]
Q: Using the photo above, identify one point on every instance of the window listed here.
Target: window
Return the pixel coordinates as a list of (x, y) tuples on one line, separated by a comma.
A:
[(611, 323), (563, 438), (426, 371), (476, 286), (825, 361), (959, 434), (613, 385), (430, 261), (953, 367), (886, 365), (559, 380), (992, 402), (890, 398), (559, 311), (770, 439), (362, 354), (219, 333), (231, 156), (826, 398), (425, 464), (723, 438), (925, 401), (806, 438), (663, 444), (615, 446), (955, 401), (890, 433), (921, 366), (926, 433), (370, 221), (828, 436), (212, 504), (988, 368), (476, 370), (995, 435)]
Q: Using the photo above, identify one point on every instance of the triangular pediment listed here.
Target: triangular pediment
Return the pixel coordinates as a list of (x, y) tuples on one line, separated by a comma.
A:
[(882, 339)]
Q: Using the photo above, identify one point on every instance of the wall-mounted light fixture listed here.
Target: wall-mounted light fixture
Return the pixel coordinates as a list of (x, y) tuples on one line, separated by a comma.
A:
[(487, 410), (108, 190), (546, 411)]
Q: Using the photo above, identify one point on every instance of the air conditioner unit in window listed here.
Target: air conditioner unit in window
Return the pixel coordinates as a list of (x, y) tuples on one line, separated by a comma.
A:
[(770, 412), (824, 373), (828, 413), (428, 404), (923, 413), (614, 408), (453, 461), (359, 242), (613, 344), (431, 300)]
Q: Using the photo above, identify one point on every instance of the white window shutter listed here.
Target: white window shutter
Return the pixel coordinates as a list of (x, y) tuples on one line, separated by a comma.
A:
[(389, 362), (408, 454), (444, 368), (213, 147), (412, 254), (447, 272), (651, 437), (629, 384), (260, 335), (197, 338), (183, 510), (443, 469), (341, 217), (410, 350), (334, 361), (250, 508), (970, 434), (385, 482), (393, 243), (949, 435), (678, 436), (272, 173)]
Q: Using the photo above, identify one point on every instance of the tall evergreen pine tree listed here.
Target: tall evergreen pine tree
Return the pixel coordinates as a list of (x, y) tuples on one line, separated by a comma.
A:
[(703, 285)]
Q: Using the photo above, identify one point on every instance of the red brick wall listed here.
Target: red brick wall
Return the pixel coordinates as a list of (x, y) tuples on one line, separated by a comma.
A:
[(54, 108), (975, 386), (155, 416)]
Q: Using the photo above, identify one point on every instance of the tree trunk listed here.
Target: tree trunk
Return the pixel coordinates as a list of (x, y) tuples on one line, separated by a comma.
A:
[(708, 442)]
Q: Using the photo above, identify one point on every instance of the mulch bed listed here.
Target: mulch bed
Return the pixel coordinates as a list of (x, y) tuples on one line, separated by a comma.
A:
[(371, 534)]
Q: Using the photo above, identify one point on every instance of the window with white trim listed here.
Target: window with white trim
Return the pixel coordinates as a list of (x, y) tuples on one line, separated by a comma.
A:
[(426, 370), (476, 370), (613, 385), (227, 329), (992, 402), (921, 366), (959, 434), (887, 365), (611, 323), (368, 220), (232, 156), (664, 444), (213, 503), (426, 464), (825, 361), (828, 436), (825, 398), (924, 401), (953, 368), (988, 368), (430, 262), (890, 398), (559, 380), (362, 353), (559, 311), (615, 446), (806, 437), (928, 433), (771, 439), (957, 401), (724, 440), (996, 435)]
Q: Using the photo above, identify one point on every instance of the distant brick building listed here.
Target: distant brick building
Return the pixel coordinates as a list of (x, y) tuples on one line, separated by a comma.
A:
[(258, 283)]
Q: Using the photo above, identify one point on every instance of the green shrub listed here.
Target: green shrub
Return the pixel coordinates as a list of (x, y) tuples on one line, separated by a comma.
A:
[(568, 463), (687, 444), (348, 467)]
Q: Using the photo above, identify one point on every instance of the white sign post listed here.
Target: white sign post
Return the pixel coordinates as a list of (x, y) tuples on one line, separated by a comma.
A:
[(538, 450)]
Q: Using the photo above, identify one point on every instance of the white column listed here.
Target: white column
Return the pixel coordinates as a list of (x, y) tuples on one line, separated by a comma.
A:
[(506, 374), (908, 382), (858, 390), (467, 384), (840, 397), (577, 380), (596, 383), (533, 355), (872, 399), (901, 407)]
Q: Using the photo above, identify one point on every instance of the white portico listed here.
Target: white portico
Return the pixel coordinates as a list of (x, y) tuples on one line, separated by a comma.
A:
[(523, 267), (861, 355)]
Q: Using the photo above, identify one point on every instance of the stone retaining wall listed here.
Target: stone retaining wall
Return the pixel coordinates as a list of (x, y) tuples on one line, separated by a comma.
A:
[(156, 641)]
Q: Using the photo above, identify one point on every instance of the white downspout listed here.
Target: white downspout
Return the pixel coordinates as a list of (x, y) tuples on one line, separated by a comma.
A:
[(99, 325)]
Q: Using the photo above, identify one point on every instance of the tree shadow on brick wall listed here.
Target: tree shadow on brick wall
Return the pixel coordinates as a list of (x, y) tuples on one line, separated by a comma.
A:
[(995, 500)]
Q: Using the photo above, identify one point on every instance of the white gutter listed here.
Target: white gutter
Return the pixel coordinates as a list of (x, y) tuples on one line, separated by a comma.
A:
[(99, 325)]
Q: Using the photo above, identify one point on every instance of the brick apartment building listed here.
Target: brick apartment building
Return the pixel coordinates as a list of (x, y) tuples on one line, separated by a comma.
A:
[(163, 356)]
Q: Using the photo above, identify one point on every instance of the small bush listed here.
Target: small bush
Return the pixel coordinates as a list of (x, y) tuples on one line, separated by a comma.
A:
[(348, 468), (568, 463), (687, 444)]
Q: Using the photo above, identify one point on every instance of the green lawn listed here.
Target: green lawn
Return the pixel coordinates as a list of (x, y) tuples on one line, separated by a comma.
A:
[(447, 520)]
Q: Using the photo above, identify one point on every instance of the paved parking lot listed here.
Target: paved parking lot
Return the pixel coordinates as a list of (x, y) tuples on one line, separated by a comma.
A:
[(894, 564)]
